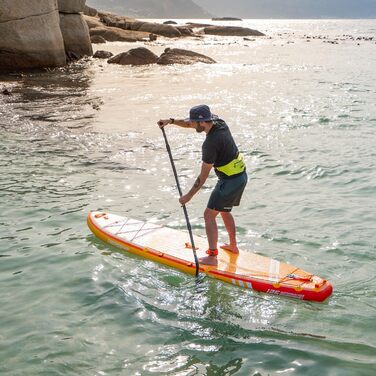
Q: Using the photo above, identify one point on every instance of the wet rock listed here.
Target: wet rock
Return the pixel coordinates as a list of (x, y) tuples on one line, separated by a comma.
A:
[(76, 35), (6, 92), (97, 39), (179, 56), (232, 31), (170, 23), (100, 54), (152, 37), (135, 56)]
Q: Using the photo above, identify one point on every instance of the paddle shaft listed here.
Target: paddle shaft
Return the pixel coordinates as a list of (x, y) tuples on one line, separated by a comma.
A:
[(181, 194)]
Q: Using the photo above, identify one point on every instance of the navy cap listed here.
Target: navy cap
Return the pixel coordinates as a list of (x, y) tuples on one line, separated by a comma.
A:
[(201, 113)]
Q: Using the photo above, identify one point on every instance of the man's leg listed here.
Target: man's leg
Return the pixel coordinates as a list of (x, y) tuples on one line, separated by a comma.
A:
[(211, 227), (229, 222), (212, 235)]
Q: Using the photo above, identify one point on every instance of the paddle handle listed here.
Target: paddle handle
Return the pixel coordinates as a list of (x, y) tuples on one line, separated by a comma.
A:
[(181, 194)]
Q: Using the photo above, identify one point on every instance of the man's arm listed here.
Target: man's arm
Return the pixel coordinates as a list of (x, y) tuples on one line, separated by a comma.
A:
[(179, 122), (205, 170)]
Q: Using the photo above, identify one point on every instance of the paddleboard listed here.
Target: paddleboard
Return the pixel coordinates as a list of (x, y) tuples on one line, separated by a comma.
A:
[(171, 247)]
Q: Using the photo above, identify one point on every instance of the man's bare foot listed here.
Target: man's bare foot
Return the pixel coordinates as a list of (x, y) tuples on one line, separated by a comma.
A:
[(209, 260), (230, 248)]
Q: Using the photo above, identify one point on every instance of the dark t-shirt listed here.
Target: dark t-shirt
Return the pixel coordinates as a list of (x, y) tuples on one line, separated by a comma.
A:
[(219, 147)]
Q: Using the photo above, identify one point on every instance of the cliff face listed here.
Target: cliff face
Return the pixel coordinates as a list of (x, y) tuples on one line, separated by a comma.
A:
[(152, 8), (33, 34)]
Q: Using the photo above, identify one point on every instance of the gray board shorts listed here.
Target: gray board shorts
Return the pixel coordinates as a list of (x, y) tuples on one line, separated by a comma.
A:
[(228, 193)]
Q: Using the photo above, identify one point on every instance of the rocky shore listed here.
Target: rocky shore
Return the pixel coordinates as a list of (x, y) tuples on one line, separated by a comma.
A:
[(112, 27), (52, 33)]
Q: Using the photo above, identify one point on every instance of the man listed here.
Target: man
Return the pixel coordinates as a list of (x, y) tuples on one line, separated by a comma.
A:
[(219, 151)]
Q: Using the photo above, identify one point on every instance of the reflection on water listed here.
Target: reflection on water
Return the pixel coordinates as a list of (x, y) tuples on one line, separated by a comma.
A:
[(58, 96)]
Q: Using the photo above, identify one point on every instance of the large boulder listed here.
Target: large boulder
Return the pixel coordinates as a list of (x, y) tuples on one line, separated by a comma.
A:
[(234, 31), (115, 28), (71, 6), (179, 56), (30, 35), (128, 23), (11, 10), (135, 56), (76, 35), (114, 34), (156, 28)]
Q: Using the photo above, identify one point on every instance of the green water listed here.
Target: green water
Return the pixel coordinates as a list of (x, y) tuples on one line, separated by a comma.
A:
[(84, 138)]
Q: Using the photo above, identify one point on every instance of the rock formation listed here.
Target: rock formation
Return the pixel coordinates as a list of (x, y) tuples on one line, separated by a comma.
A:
[(234, 31), (179, 56), (113, 34), (135, 56), (30, 35), (143, 56), (100, 54), (34, 34), (127, 23), (113, 27), (71, 6), (74, 29)]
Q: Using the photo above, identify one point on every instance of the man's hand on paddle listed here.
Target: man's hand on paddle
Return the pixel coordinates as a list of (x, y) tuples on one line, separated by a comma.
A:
[(205, 169), (185, 199), (162, 123), (179, 122)]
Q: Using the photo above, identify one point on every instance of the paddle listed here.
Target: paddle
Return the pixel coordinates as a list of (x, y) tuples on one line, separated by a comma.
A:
[(181, 194)]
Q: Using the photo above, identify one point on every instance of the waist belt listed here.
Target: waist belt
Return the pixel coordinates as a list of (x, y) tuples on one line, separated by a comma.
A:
[(236, 166)]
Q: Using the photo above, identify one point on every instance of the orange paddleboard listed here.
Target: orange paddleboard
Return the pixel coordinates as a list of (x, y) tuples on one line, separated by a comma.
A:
[(169, 246)]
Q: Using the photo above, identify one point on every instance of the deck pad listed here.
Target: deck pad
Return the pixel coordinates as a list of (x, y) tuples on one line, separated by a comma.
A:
[(172, 247)]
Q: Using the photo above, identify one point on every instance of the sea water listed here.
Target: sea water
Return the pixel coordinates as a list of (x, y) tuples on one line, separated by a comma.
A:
[(301, 104)]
